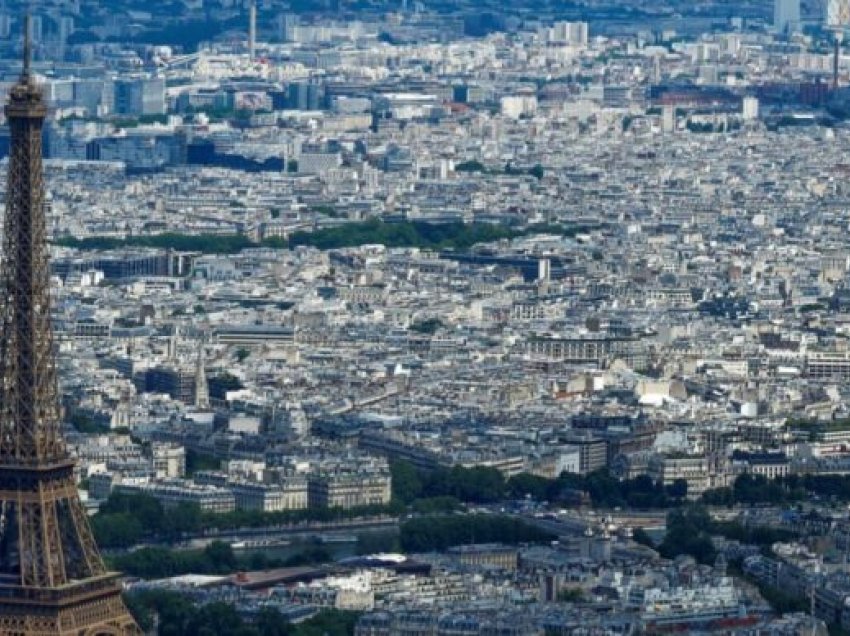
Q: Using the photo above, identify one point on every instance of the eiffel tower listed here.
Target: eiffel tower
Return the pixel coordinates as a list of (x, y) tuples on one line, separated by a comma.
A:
[(53, 581)]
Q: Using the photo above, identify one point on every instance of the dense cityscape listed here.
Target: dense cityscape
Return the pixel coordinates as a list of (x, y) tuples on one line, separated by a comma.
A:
[(438, 318)]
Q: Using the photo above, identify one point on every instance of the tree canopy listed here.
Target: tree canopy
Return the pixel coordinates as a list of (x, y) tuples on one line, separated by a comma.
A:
[(178, 616), (424, 534), (455, 236), (125, 520)]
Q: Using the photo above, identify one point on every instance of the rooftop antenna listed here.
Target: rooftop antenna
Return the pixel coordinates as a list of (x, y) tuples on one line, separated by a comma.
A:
[(25, 73)]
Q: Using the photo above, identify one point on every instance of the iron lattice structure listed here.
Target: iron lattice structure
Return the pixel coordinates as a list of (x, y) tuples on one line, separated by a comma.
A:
[(52, 577)]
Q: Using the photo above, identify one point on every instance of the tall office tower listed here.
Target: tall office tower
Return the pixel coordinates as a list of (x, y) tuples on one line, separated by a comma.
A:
[(750, 108), (838, 14), (139, 96), (202, 391), (252, 30), (668, 119), (837, 21), (287, 24), (52, 578), (305, 95), (786, 15), (65, 28)]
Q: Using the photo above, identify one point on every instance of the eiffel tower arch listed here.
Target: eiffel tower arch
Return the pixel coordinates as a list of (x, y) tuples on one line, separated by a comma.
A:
[(53, 580)]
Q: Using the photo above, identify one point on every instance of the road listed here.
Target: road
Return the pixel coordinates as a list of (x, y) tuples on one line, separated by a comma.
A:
[(300, 531), (574, 522)]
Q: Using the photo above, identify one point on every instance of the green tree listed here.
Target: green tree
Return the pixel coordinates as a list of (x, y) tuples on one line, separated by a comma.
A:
[(221, 556), (781, 601), (679, 489), (478, 484), (719, 497), (456, 236), (219, 385), (258, 561), (330, 622), (214, 619), (173, 610), (270, 622), (310, 556), (182, 519), (85, 423), (571, 595), (207, 243), (436, 505), (688, 533), (470, 166), (424, 534), (119, 530), (178, 616), (604, 489), (406, 483), (196, 461), (429, 326), (145, 508), (527, 484), (640, 536), (378, 542)]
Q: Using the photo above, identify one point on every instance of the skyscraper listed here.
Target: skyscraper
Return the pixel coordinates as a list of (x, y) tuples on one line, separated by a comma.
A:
[(139, 96), (52, 578), (838, 14), (786, 15), (837, 21), (202, 392), (252, 30)]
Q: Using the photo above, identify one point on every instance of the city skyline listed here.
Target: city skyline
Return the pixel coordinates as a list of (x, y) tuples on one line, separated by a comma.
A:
[(371, 318)]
